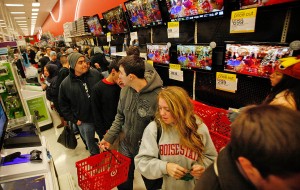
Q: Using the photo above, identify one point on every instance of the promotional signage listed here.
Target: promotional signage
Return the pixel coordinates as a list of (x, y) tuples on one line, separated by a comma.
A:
[(243, 21), (226, 82)]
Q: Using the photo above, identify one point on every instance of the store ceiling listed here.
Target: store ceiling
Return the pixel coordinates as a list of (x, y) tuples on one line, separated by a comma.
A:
[(26, 21)]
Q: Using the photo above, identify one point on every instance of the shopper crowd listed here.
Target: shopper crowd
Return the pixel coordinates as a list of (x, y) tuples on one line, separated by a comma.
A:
[(158, 130)]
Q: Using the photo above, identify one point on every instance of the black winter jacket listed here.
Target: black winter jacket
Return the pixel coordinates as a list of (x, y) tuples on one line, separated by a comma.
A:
[(75, 96)]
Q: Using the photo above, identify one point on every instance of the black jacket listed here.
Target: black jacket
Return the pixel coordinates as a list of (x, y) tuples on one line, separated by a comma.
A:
[(62, 74), (105, 98), (229, 176), (51, 90), (100, 58), (75, 97)]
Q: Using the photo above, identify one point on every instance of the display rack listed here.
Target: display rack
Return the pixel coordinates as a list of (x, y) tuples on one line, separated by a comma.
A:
[(34, 101), (13, 175)]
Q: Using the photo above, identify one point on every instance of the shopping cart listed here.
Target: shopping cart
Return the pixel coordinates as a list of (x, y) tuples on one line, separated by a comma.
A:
[(103, 171)]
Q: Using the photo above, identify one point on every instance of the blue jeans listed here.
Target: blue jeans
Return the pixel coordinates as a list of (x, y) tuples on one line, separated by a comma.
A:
[(87, 130)]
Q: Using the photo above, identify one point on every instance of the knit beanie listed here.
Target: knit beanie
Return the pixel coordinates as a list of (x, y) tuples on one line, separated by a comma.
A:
[(290, 66), (73, 58), (52, 53), (69, 51)]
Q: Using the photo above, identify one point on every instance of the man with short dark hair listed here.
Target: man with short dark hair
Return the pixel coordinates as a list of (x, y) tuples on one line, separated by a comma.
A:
[(133, 50), (263, 153), (105, 97), (45, 59), (136, 108), (75, 98)]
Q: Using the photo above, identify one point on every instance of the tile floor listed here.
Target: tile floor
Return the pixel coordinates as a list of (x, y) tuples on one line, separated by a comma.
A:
[(64, 159)]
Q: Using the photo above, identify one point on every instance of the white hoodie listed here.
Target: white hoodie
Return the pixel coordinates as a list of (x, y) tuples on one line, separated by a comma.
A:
[(169, 150)]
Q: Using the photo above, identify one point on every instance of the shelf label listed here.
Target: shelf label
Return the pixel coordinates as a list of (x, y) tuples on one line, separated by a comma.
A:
[(150, 62), (173, 30), (226, 82), (243, 21), (175, 66), (108, 36), (176, 74)]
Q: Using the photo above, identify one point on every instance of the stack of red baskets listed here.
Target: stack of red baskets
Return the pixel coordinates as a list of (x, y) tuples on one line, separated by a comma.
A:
[(103, 171), (217, 122)]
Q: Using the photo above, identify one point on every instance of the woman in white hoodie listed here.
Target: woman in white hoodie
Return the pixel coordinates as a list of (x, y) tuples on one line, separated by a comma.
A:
[(177, 145)]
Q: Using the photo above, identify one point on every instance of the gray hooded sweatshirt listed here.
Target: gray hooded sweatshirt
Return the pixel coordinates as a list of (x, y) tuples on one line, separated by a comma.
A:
[(135, 111)]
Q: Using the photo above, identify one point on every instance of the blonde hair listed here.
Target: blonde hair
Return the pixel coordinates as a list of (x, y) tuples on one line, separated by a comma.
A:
[(182, 110)]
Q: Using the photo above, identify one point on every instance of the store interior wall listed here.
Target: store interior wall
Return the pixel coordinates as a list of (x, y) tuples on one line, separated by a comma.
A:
[(251, 90)]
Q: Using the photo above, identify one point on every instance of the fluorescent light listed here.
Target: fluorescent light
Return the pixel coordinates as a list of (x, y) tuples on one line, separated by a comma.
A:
[(14, 5), (21, 21), (34, 13), (22, 24), (35, 10), (17, 13), (20, 17), (33, 16), (1, 20), (36, 4)]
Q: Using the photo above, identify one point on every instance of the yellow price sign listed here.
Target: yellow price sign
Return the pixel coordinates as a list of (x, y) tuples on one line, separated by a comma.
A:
[(243, 21), (247, 13), (175, 66), (226, 82), (173, 24), (226, 76), (150, 62)]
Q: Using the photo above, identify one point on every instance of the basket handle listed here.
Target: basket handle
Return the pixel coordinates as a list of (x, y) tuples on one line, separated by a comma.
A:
[(113, 155)]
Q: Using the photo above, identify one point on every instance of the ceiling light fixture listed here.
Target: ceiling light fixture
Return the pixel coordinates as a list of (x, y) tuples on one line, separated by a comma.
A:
[(35, 10), (34, 13), (77, 9), (59, 13), (14, 5), (20, 17), (16, 13), (36, 4), (21, 21), (34, 17)]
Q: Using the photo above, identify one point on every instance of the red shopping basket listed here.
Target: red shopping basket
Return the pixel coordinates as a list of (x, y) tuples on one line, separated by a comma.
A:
[(103, 171)]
